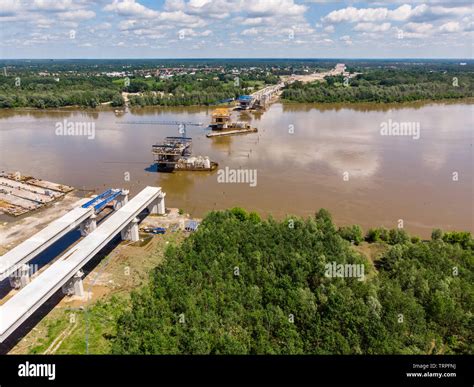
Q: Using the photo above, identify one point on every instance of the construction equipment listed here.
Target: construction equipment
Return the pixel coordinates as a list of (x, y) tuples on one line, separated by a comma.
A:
[(100, 201), (220, 119), (170, 151)]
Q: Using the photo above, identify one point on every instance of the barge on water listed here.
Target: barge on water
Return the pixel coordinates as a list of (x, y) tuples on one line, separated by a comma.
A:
[(232, 132), (174, 154), (22, 194), (221, 124)]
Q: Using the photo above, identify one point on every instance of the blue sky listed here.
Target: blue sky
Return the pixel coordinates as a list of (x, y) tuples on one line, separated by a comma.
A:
[(236, 28)]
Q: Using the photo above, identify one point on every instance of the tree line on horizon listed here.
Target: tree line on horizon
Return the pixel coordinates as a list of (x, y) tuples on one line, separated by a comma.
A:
[(384, 85)]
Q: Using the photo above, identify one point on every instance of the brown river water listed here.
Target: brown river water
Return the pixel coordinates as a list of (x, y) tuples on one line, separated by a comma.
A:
[(306, 156)]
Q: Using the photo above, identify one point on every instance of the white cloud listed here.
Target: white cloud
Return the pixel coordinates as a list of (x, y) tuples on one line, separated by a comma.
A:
[(354, 15), (329, 29), (272, 7), (346, 39), (405, 12), (103, 26), (53, 5), (80, 14), (129, 24), (130, 8), (9, 7), (174, 5), (372, 27), (450, 27), (419, 28), (252, 21), (181, 18), (189, 32), (250, 32)]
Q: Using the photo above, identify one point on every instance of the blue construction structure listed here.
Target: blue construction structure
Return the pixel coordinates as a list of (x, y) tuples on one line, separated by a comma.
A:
[(245, 101), (100, 201)]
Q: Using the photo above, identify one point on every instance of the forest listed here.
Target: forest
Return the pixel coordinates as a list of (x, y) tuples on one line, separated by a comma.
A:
[(47, 84), (90, 91), (185, 90), (385, 85), (53, 92), (244, 285)]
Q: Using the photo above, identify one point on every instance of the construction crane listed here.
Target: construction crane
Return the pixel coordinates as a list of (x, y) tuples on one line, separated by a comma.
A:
[(181, 124)]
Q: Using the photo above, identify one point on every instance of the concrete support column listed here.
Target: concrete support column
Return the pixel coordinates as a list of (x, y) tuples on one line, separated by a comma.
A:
[(20, 277), (158, 206), (74, 287), (89, 225), (121, 200), (130, 232)]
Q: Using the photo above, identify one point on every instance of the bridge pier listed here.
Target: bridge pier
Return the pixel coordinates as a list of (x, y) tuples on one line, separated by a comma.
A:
[(130, 232), (20, 277), (88, 225), (158, 206), (121, 200), (75, 286)]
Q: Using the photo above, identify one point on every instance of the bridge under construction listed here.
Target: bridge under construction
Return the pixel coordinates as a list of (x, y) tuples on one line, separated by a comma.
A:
[(66, 272)]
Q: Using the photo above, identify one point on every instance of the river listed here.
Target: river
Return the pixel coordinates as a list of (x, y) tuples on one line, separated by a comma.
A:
[(306, 156)]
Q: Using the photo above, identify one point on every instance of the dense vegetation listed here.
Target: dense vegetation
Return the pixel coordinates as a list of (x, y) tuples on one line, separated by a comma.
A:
[(197, 89), (386, 85), (53, 92), (89, 83), (243, 285), (85, 88)]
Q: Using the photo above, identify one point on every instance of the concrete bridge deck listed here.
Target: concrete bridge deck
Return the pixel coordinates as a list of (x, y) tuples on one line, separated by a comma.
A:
[(17, 309), (30, 248)]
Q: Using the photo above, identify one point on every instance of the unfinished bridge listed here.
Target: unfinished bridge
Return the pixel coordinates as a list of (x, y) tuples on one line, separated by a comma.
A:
[(65, 273), (261, 98)]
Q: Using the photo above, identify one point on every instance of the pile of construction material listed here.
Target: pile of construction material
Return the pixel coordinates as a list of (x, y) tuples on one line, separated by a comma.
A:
[(21, 194), (195, 163)]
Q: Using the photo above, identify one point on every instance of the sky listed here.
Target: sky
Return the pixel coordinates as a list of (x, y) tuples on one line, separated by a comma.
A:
[(236, 29)]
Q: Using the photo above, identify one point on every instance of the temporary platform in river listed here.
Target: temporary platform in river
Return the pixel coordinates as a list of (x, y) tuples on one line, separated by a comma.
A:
[(21, 194), (222, 125), (220, 119), (174, 153), (221, 133)]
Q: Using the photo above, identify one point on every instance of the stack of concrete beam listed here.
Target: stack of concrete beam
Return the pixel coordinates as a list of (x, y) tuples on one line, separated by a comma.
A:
[(19, 195)]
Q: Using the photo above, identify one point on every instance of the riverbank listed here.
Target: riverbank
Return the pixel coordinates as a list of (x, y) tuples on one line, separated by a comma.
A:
[(132, 109)]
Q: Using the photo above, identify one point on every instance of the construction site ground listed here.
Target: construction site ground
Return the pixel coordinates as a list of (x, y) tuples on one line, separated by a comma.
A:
[(65, 323)]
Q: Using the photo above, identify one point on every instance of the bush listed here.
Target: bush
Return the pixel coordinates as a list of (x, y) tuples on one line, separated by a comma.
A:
[(351, 233), (239, 213), (380, 234), (436, 234), (461, 237), (398, 236), (118, 100)]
